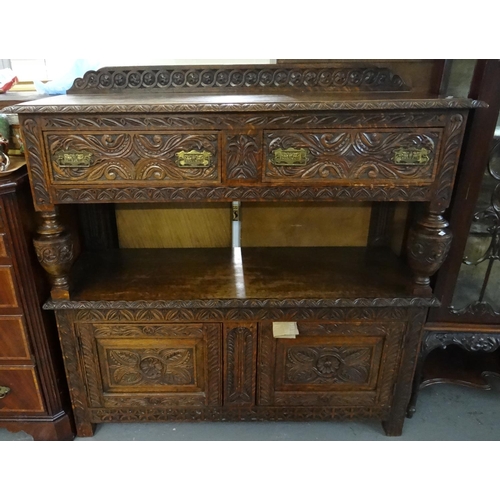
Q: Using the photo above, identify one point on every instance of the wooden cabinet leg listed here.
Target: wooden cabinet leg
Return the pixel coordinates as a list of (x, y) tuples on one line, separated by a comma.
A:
[(428, 245), (54, 249)]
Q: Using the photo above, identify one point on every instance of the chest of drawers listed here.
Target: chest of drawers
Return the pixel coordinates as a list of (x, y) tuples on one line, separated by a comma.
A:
[(170, 334), (32, 384)]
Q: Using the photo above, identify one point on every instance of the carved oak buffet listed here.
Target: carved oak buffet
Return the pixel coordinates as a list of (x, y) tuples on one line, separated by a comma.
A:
[(187, 334)]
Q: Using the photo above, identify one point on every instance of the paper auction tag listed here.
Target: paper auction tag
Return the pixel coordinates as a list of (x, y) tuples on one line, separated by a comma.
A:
[(285, 330)]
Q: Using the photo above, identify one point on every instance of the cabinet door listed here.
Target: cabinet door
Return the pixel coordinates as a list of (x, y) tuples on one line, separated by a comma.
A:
[(330, 364), (151, 364)]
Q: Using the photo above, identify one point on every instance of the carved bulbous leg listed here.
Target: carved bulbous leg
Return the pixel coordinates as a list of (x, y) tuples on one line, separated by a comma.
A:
[(428, 245), (54, 249)]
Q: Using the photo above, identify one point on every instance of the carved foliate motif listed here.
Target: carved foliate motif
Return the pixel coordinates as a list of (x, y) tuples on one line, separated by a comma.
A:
[(275, 193), (151, 366), (350, 155), (240, 345), (320, 365), (134, 157), (474, 342), (243, 156), (269, 77)]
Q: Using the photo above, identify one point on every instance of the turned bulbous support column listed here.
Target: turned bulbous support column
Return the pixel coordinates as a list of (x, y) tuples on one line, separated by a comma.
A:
[(55, 252), (429, 241)]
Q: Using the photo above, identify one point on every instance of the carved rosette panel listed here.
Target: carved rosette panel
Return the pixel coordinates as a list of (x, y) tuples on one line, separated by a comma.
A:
[(320, 365), (243, 156), (130, 156), (474, 342), (129, 367), (352, 154), (240, 345), (52, 253), (269, 77)]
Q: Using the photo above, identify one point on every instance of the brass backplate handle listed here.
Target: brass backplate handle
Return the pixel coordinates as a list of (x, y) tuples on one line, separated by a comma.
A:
[(411, 156), (4, 391), (194, 159), (290, 157), (70, 158)]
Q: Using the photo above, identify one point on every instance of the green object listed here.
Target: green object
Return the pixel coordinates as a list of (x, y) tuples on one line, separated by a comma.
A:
[(4, 127)]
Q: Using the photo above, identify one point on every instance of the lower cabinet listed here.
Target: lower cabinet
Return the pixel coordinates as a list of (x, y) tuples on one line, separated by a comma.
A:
[(121, 370)]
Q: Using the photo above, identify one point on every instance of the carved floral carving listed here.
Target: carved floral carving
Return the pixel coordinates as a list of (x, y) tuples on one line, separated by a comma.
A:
[(202, 78), (134, 156), (351, 155), (243, 153), (320, 365), (151, 366)]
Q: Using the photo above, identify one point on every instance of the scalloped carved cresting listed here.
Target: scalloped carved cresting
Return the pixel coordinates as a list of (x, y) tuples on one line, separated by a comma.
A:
[(133, 156), (319, 365), (351, 155), (129, 367), (239, 78)]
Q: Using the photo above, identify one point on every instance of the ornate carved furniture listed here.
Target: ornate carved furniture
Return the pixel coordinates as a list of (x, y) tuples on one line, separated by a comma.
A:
[(468, 283), (32, 381), (243, 333)]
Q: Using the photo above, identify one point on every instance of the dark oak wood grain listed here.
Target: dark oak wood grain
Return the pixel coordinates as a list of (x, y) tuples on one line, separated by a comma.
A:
[(187, 334)]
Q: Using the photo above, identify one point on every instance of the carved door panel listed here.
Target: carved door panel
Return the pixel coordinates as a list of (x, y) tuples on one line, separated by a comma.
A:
[(151, 364), (329, 364)]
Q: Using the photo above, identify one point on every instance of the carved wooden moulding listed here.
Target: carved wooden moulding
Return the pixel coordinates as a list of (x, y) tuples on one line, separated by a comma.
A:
[(268, 77)]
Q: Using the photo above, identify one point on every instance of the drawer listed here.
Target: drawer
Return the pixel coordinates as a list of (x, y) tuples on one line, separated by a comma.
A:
[(366, 156), (13, 339), (152, 364), (24, 393), (118, 158), (7, 289), (329, 364), (3, 246)]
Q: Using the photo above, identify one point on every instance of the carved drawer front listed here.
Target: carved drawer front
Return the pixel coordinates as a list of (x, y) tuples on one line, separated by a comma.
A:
[(19, 390), (399, 156), (151, 365), (7, 289), (329, 364), (121, 157), (13, 339)]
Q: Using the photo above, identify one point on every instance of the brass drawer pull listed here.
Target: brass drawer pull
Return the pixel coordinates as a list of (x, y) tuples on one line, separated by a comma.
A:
[(4, 391), (411, 156), (290, 157), (71, 158), (194, 159)]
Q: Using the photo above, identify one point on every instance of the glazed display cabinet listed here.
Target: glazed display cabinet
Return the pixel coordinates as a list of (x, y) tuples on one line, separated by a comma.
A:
[(260, 333), (462, 336)]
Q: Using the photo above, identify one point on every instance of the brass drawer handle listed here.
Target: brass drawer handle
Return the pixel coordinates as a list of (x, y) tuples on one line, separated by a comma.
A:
[(73, 159), (411, 156), (290, 157), (194, 159), (4, 391)]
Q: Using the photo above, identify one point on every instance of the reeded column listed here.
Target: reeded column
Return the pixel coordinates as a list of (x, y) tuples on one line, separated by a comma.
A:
[(429, 241), (54, 249)]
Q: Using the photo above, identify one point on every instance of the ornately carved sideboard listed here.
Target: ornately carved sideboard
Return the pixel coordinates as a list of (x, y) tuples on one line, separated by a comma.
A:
[(242, 333)]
